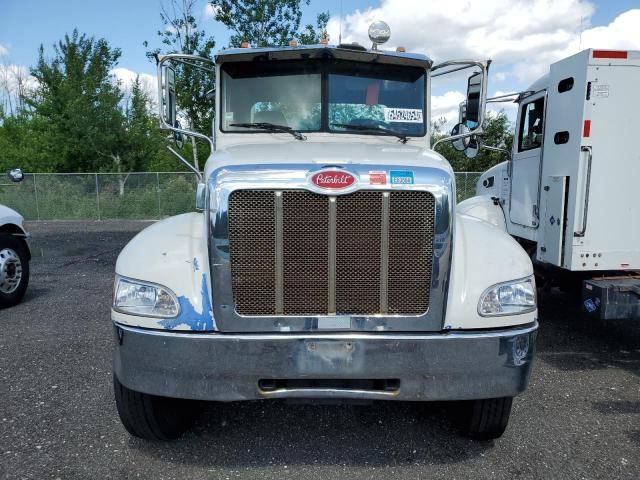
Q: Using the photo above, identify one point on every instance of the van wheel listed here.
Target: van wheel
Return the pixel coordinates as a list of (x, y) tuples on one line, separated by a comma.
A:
[(488, 418), (14, 270), (150, 417)]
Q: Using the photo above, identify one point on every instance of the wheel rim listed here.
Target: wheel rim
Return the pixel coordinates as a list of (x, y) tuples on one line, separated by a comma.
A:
[(10, 271)]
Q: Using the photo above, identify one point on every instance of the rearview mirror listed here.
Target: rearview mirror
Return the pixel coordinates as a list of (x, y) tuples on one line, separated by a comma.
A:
[(169, 96), (473, 148), (16, 175), (460, 144), (178, 137), (472, 109)]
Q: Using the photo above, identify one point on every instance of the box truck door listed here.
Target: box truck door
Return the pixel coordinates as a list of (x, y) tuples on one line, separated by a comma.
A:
[(525, 174)]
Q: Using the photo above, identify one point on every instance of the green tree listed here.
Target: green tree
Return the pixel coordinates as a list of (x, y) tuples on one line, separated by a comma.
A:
[(311, 34), (146, 147), (498, 133), (265, 23), (182, 34), (78, 106), (21, 146)]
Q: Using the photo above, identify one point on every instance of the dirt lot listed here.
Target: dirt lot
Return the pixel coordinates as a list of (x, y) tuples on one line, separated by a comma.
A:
[(579, 419)]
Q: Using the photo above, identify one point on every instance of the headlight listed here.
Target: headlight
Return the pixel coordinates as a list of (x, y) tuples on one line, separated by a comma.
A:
[(509, 298), (138, 298)]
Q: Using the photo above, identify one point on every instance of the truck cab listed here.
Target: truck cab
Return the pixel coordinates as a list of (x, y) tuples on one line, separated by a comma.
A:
[(327, 260)]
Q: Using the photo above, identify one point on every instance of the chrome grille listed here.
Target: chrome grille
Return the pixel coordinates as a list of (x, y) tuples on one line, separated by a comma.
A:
[(299, 253)]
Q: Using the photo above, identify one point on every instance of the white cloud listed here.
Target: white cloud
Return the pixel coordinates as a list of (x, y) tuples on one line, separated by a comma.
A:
[(4, 51), (16, 76), (446, 106), (621, 34), (126, 77), (15, 83), (529, 34), (209, 11)]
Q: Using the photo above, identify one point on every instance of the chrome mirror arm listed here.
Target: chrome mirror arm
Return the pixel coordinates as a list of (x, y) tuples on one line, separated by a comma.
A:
[(186, 162), (456, 66), (191, 60)]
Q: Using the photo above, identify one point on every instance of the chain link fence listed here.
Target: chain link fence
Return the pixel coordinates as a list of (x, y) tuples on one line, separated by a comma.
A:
[(102, 196)]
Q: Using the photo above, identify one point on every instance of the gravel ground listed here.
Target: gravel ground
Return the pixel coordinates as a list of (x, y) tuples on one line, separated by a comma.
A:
[(579, 419)]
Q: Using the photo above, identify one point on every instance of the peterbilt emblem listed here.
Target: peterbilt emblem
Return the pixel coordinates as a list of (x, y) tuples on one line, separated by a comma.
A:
[(333, 179)]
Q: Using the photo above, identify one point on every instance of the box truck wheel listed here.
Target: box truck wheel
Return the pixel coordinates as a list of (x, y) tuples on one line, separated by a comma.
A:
[(488, 418), (14, 270), (151, 417)]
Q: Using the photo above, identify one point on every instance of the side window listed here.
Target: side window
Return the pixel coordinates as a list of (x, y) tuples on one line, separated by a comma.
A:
[(531, 124)]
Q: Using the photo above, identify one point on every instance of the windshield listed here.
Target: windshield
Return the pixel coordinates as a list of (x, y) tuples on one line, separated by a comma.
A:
[(325, 95)]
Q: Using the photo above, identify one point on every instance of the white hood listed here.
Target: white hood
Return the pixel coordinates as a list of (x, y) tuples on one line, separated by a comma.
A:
[(327, 153), (7, 215)]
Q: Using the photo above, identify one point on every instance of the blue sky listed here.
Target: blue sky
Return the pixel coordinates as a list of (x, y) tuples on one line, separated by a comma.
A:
[(521, 36), (25, 24)]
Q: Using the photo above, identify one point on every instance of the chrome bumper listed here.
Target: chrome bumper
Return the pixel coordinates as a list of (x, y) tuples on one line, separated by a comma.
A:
[(228, 367)]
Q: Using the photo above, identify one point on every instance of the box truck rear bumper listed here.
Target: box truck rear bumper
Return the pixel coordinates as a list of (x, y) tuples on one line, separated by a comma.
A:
[(414, 367)]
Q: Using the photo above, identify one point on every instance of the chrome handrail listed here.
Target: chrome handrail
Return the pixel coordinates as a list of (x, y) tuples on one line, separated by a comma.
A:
[(581, 232)]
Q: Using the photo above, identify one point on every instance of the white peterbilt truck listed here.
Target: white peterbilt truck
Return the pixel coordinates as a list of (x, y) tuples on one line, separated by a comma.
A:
[(327, 259), (568, 191)]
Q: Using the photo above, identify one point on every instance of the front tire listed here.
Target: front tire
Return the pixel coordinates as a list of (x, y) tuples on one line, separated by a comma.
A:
[(14, 270), (488, 418), (151, 417)]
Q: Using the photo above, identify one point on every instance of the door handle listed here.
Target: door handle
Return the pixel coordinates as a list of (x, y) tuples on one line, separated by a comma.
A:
[(580, 233)]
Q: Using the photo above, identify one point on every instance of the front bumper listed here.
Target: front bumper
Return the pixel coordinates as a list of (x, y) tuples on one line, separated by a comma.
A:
[(228, 367)]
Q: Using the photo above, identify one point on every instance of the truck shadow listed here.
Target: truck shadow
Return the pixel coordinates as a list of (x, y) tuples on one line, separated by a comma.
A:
[(276, 433), (570, 341)]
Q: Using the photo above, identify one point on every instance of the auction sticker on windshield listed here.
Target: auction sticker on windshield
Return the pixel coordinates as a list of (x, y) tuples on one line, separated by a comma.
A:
[(401, 177), (404, 115)]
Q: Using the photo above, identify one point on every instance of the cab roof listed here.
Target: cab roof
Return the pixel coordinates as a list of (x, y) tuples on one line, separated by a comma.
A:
[(352, 52)]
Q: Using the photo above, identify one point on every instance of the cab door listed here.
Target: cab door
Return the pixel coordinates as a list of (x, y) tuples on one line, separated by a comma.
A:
[(524, 203)]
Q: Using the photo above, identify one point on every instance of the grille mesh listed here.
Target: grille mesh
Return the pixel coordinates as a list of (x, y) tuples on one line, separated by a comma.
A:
[(306, 252), (252, 250), (411, 226), (359, 224), (305, 220)]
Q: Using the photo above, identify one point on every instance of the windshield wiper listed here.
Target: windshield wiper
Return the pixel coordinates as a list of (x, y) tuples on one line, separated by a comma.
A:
[(270, 127), (364, 128)]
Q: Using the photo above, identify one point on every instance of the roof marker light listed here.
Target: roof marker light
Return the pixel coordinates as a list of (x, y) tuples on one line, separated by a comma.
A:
[(245, 45), (401, 49), (324, 41), (293, 43), (620, 54)]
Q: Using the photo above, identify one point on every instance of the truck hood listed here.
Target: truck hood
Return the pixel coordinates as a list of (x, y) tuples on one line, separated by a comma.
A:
[(325, 154), (7, 215)]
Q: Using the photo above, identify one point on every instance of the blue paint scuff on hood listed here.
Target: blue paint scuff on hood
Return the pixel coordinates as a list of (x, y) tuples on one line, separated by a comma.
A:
[(188, 316)]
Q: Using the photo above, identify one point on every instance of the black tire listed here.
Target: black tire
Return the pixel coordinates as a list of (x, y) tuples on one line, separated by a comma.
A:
[(488, 418), (151, 417), (12, 243)]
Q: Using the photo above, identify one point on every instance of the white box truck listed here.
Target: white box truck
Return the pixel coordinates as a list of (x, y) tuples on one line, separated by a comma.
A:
[(569, 192), (327, 260)]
